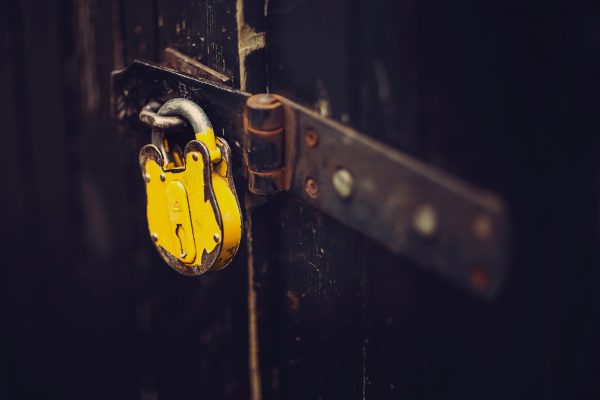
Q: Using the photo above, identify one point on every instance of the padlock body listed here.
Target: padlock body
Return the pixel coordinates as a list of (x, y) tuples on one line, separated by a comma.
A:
[(193, 212)]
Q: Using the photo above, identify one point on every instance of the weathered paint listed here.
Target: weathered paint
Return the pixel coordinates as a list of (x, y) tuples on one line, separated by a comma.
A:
[(249, 41)]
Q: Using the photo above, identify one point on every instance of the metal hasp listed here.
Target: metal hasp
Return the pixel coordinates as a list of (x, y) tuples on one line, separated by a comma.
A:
[(413, 209)]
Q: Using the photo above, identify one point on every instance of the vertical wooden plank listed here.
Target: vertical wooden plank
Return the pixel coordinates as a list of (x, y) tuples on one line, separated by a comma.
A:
[(68, 325), (385, 106), (47, 211), (458, 85), (104, 262), (316, 292), (18, 343), (251, 48), (205, 30), (314, 298), (139, 22), (138, 32), (494, 116), (194, 330)]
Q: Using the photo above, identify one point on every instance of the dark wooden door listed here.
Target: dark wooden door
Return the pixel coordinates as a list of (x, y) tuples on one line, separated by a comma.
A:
[(503, 94)]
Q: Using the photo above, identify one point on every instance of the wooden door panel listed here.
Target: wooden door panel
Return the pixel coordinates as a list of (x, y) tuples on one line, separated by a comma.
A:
[(501, 94)]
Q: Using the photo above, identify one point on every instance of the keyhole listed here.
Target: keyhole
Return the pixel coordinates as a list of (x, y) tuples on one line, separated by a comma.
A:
[(180, 232)]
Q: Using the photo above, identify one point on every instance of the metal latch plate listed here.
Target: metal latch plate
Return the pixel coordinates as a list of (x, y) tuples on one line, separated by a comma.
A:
[(413, 209)]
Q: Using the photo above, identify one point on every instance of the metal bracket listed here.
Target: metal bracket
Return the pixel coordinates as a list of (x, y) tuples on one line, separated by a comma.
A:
[(413, 209)]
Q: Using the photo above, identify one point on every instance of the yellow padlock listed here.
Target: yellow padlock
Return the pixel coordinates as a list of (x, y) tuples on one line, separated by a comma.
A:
[(193, 212)]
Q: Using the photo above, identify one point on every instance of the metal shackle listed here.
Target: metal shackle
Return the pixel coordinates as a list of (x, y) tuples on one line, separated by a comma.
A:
[(197, 118), (161, 123)]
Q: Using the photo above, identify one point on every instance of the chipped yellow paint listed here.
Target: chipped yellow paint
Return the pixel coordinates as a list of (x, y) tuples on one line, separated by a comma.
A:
[(207, 137), (182, 220), (202, 219), (230, 214), (181, 223)]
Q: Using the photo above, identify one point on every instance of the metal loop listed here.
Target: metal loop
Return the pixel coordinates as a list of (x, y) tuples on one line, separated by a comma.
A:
[(189, 110), (162, 123), (173, 116)]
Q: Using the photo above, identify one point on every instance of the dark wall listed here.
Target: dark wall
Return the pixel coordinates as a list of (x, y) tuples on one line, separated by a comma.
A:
[(502, 94)]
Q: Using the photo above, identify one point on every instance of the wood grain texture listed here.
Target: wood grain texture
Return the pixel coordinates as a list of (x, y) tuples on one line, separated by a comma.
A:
[(59, 288), (502, 94), (459, 86), (205, 30), (194, 330)]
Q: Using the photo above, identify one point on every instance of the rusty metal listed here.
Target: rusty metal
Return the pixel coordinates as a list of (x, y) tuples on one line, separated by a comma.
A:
[(264, 113), (311, 138), (178, 61), (415, 210), (264, 144), (412, 208), (142, 82), (311, 187)]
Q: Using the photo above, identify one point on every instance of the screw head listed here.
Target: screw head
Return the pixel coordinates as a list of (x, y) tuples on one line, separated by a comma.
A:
[(162, 177), (311, 138), (343, 183), (147, 177), (425, 221), (194, 156), (216, 237), (154, 236), (311, 187), (183, 254)]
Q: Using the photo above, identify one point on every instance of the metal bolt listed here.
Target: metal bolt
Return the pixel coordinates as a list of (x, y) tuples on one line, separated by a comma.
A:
[(154, 236), (311, 138), (147, 178), (312, 188), (343, 183), (425, 221), (217, 237), (162, 177), (194, 156), (483, 227)]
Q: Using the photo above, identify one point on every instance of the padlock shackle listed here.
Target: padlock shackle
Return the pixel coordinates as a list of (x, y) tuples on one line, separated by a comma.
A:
[(161, 123), (197, 118), (189, 110)]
